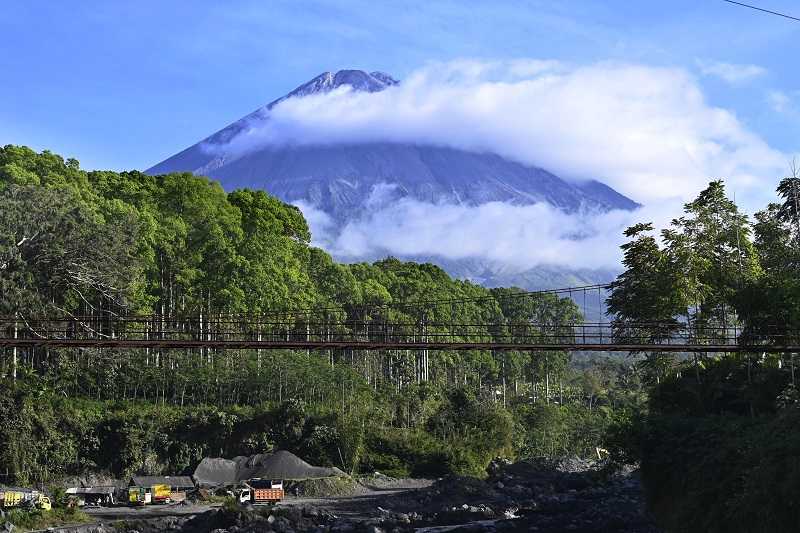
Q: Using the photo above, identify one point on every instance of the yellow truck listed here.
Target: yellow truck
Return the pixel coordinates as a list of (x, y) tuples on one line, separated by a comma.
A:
[(154, 494), (24, 498), (11, 497), (162, 494)]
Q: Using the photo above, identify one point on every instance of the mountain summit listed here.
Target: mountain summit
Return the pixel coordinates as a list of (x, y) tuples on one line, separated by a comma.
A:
[(196, 159), (357, 79)]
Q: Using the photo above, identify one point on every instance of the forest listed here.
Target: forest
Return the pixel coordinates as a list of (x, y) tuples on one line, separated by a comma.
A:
[(715, 434), (94, 244)]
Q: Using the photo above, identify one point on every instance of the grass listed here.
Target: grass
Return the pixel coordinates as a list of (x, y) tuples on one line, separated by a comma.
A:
[(39, 519), (324, 487)]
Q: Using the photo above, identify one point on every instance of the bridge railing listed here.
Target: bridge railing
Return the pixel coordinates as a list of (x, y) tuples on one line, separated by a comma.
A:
[(266, 332)]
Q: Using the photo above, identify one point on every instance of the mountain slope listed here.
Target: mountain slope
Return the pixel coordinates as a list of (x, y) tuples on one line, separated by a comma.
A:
[(339, 179)]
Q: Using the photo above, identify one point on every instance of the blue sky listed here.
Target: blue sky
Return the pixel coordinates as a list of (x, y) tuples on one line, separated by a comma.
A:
[(124, 85)]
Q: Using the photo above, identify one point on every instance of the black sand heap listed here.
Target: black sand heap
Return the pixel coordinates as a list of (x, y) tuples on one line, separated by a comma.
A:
[(278, 465)]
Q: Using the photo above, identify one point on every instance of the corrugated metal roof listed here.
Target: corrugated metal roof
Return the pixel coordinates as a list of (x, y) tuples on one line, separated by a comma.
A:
[(16, 489), (183, 482), (90, 490)]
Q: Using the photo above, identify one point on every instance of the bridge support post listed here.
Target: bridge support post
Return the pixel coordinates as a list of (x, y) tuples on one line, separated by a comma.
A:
[(14, 352)]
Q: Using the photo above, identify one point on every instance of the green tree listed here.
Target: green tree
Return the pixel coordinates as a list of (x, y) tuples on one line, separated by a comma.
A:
[(57, 256), (690, 286)]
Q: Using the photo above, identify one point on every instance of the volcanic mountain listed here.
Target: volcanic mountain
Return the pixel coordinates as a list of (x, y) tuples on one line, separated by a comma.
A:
[(341, 179)]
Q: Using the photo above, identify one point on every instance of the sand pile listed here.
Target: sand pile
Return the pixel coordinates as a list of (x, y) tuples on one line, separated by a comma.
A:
[(214, 471), (278, 465)]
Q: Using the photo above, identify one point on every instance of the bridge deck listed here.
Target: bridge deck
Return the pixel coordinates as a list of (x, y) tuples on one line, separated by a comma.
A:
[(396, 345)]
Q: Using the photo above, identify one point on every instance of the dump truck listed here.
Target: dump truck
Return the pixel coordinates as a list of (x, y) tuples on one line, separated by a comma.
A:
[(262, 491), (10, 497), (162, 493), (158, 493)]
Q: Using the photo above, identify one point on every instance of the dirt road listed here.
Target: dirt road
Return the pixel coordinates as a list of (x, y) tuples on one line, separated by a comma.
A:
[(546, 498)]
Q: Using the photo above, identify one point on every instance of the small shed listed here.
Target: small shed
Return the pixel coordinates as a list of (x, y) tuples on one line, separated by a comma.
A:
[(94, 495)]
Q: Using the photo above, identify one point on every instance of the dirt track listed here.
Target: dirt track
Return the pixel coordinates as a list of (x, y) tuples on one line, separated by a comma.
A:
[(124, 512), (359, 506), (515, 497)]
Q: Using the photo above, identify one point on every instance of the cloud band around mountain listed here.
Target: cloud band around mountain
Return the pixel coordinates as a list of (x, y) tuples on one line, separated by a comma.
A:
[(646, 131), (518, 237)]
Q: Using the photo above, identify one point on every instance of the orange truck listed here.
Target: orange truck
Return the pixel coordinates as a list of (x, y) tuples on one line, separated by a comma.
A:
[(264, 491)]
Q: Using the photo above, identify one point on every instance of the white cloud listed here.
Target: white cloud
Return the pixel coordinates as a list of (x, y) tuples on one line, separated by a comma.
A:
[(323, 228), (515, 236), (732, 73), (648, 132), (779, 101)]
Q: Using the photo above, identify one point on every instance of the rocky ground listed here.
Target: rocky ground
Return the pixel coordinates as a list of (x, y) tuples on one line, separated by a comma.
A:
[(569, 495)]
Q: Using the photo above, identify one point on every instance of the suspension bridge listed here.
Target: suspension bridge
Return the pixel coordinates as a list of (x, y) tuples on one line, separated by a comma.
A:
[(418, 325)]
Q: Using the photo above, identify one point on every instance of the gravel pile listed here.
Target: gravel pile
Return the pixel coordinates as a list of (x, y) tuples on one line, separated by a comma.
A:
[(279, 465), (329, 487), (216, 471), (378, 482)]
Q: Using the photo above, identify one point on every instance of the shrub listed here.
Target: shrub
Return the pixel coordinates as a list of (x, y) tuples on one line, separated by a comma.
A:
[(551, 430), (722, 453), (724, 473)]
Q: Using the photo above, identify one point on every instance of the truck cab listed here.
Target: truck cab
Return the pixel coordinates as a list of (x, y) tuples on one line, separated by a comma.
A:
[(44, 503), (244, 495)]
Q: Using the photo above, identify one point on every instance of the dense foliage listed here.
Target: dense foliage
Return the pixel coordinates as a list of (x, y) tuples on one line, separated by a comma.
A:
[(84, 244), (101, 244), (710, 463)]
